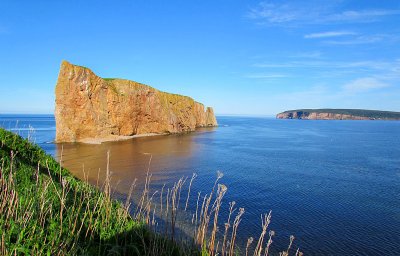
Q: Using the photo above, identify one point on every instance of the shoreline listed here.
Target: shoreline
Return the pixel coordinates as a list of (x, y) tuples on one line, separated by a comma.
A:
[(112, 138), (116, 138)]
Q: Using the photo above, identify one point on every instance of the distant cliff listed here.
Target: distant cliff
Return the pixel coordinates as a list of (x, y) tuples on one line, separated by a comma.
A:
[(90, 107), (339, 114)]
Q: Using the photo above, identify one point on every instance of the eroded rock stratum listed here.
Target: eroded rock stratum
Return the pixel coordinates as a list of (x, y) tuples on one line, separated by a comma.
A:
[(90, 107)]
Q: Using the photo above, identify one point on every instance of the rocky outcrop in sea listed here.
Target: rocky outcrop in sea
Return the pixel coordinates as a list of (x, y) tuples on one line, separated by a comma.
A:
[(89, 107)]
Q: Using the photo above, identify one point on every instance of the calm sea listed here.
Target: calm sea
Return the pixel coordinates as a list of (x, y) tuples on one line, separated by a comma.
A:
[(334, 185)]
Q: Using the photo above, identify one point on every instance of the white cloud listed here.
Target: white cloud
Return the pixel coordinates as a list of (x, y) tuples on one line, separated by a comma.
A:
[(365, 40), (275, 14), (370, 65), (362, 16), (313, 12), (329, 34), (364, 84), (387, 71)]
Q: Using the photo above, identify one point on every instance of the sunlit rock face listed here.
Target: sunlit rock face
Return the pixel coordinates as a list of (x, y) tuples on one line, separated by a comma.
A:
[(90, 107), (318, 116)]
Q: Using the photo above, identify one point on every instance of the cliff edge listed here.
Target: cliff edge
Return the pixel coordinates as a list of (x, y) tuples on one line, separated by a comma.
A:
[(339, 114), (89, 107)]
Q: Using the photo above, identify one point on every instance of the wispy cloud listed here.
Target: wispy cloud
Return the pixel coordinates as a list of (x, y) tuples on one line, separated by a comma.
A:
[(329, 34), (364, 84), (368, 64), (313, 12), (274, 14), (362, 15), (365, 40), (383, 71)]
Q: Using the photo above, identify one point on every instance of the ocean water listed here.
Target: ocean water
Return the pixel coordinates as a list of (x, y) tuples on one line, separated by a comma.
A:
[(334, 185)]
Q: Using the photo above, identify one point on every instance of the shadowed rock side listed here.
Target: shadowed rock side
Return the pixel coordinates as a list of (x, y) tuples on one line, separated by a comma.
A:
[(339, 114), (89, 107)]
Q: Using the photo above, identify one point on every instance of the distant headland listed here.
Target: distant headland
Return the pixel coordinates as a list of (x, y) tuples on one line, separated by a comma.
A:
[(339, 114), (94, 109)]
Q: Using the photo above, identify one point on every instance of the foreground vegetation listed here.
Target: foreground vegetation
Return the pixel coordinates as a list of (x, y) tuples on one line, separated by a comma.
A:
[(44, 210)]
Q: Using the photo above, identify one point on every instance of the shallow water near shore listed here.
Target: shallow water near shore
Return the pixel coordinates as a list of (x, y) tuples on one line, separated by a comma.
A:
[(334, 185)]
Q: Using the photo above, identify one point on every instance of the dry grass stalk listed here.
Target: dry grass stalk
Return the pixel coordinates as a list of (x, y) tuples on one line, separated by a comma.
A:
[(202, 218), (190, 186), (195, 215), (271, 234), (141, 207), (298, 252), (153, 222), (249, 242), (166, 211), (205, 215), (197, 207), (95, 218), (265, 220), (216, 249), (227, 226), (174, 203), (180, 189), (236, 223), (286, 253), (128, 199), (107, 183), (148, 207), (161, 200), (220, 194), (8, 194)]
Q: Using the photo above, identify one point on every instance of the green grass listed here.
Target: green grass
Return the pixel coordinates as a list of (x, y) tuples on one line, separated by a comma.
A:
[(376, 114), (112, 86), (46, 211), (82, 66)]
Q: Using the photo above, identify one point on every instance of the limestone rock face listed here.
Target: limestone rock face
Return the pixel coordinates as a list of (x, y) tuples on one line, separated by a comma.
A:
[(339, 114), (319, 116), (89, 107)]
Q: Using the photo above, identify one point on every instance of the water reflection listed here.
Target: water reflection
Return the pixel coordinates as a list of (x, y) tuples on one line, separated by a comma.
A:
[(332, 184), (166, 157)]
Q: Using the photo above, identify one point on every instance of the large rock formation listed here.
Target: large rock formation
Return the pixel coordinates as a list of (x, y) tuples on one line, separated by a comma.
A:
[(91, 108), (339, 114)]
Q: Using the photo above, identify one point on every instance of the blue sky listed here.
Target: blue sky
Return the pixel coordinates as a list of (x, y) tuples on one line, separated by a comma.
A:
[(241, 57)]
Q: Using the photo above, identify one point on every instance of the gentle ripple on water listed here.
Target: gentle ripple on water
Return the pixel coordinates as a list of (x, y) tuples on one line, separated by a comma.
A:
[(332, 184)]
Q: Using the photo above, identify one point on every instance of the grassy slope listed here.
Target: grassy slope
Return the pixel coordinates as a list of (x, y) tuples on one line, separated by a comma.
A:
[(354, 112), (46, 211)]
